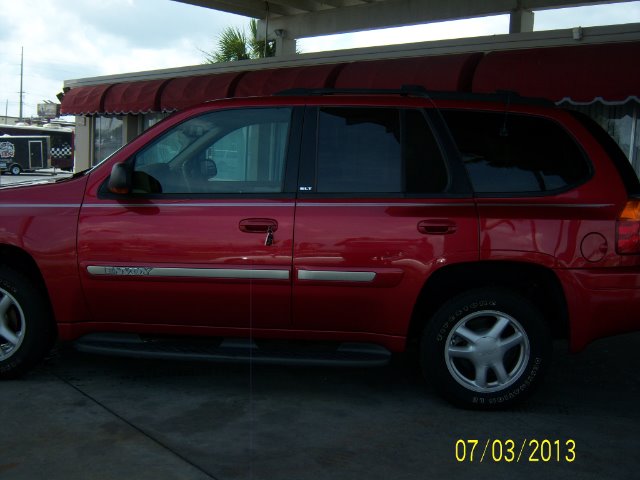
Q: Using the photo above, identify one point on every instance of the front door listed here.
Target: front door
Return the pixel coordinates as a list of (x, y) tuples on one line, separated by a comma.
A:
[(205, 238)]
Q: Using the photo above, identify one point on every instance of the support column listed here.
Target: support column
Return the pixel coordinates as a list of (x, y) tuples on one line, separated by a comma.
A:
[(521, 20), (82, 144), (130, 128), (284, 45)]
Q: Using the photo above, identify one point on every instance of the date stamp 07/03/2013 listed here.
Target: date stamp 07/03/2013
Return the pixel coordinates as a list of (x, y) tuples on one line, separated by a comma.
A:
[(530, 450)]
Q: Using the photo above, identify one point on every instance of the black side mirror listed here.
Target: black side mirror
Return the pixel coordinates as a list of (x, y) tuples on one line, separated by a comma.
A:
[(120, 180)]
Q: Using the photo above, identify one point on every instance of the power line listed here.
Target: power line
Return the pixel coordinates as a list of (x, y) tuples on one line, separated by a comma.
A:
[(21, 74)]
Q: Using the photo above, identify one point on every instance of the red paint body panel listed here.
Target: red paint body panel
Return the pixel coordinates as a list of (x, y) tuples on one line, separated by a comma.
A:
[(188, 236), (601, 302), (378, 237), (42, 220)]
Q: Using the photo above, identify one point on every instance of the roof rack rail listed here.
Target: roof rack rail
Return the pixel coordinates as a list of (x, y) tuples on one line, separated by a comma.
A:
[(506, 96), (415, 90)]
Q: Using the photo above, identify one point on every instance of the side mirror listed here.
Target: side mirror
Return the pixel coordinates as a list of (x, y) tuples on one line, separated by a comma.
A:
[(120, 180)]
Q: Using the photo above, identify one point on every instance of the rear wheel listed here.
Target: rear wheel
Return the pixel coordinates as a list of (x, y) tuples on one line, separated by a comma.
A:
[(15, 169), (25, 327), (486, 348)]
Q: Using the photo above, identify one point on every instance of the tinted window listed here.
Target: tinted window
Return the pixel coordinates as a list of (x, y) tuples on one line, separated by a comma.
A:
[(377, 150), (231, 151), (619, 159), (425, 168), (509, 153)]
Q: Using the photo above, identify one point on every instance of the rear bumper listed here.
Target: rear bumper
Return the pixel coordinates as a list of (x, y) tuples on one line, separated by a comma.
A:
[(601, 302)]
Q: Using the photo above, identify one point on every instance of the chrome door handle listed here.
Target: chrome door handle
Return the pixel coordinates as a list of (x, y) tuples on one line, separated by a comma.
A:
[(258, 225), (437, 227)]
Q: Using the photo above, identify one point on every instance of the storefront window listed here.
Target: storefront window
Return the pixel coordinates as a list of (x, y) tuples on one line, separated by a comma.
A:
[(622, 122), (107, 137), (150, 119)]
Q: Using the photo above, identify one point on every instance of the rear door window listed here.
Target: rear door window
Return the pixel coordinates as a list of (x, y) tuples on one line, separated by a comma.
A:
[(514, 153), (377, 150)]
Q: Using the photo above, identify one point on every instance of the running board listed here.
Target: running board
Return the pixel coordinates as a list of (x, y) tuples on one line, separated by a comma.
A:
[(234, 350)]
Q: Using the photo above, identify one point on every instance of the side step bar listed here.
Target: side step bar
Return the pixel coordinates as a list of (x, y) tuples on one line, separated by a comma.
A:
[(233, 350)]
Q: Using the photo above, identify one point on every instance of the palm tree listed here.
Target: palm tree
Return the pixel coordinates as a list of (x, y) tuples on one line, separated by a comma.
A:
[(233, 44)]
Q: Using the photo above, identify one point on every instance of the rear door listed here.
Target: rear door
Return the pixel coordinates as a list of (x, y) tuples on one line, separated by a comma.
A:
[(379, 209), (206, 237)]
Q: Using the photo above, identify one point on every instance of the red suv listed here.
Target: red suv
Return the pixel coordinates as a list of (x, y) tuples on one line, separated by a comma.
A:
[(332, 227)]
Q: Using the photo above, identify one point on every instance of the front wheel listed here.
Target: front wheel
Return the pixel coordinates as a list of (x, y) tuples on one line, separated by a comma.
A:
[(15, 169), (486, 348), (26, 331)]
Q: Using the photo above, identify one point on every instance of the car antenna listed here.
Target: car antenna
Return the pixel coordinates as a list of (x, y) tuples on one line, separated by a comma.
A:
[(504, 130)]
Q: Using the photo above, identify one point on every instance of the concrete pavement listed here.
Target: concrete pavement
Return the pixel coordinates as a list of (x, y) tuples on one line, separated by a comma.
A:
[(80, 416)]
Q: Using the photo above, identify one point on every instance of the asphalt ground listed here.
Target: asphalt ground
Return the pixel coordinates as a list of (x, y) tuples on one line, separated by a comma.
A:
[(80, 416)]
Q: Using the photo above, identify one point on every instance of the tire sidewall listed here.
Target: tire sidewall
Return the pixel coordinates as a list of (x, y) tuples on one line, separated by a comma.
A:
[(37, 328), (434, 345)]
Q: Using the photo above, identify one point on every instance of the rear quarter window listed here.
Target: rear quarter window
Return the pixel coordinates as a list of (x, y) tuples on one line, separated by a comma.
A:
[(617, 156), (515, 153)]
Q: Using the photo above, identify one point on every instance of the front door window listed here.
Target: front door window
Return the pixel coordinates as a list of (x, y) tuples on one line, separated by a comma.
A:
[(225, 152)]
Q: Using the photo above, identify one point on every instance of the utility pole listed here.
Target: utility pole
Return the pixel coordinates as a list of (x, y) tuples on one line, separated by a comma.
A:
[(21, 73)]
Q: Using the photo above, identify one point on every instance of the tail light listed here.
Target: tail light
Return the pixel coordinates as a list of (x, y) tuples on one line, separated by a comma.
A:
[(628, 229)]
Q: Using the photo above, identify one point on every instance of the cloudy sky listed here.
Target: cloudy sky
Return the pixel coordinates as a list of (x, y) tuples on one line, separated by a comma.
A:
[(67, 39)]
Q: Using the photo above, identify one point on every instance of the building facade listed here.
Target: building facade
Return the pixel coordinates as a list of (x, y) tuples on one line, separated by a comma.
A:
[(592, 69)]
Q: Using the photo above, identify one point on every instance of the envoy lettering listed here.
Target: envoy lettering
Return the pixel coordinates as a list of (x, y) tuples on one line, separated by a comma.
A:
[(134, 271)]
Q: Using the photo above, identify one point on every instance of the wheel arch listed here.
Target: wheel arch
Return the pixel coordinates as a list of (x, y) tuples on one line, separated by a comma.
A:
[(538, 284), (19, 260)]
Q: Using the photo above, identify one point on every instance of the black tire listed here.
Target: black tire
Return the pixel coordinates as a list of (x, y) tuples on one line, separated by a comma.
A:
[(26, 331), (15, 169), (473, 369)]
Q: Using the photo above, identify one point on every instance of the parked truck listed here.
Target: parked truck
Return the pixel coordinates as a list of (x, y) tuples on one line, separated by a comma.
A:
[(24, 153)]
